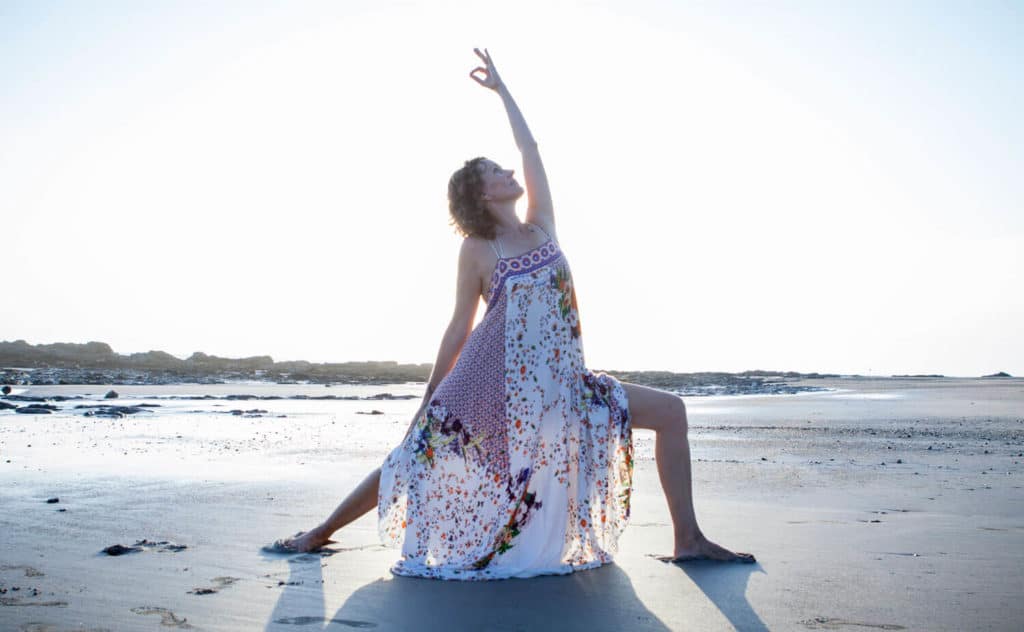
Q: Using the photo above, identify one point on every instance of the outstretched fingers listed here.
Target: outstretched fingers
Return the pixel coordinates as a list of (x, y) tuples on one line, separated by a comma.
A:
[(490, 77), (483, 81)]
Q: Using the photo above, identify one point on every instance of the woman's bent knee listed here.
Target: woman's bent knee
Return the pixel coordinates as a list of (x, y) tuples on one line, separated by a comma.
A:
[(678, 416), (655, 409)]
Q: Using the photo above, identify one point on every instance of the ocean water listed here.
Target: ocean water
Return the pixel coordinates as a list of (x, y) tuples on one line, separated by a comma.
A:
[(256, 430)]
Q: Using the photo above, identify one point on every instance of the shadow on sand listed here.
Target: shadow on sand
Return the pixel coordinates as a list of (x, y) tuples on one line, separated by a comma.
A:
[(598, 599), (726, 586)]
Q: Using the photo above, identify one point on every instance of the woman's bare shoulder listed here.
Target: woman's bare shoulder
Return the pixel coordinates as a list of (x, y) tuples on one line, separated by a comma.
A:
[(476, 251), (474, 244)]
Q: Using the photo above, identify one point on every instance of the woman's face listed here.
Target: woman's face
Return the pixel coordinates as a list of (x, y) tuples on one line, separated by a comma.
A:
[(499, 184)]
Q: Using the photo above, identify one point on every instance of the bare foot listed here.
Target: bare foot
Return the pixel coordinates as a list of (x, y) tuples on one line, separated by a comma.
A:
[(306, 541), (704, 549)]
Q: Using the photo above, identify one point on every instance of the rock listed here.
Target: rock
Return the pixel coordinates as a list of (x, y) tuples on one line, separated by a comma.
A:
[(113, 412), (1000, 374), (110, 395), (161, 546), (6, 390), (53, 500), (117, 549), (33, 410), (144, 544), (110, 414), (7, 406), (372, 412)]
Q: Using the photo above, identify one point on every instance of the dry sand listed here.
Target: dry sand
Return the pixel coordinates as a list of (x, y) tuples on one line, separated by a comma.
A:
[(931, 540)]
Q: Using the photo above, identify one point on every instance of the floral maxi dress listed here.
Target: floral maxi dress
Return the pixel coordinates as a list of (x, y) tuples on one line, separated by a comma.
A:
[(521, 463)]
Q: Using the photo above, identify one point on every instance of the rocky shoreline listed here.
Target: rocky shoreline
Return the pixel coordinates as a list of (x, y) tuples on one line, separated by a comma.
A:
[(40, 405), (684, 384), (95, 363)]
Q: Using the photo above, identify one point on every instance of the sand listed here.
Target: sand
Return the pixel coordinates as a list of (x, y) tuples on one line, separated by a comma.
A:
[(886, 505)]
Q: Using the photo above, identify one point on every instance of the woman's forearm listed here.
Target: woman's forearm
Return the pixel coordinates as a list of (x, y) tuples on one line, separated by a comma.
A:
[(451, 346), (520, 131)]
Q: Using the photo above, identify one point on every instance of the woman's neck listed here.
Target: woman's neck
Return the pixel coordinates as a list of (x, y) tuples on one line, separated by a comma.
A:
[(506, 221)]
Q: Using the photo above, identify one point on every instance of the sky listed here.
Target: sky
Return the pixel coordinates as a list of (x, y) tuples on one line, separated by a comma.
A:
[(808, 186)]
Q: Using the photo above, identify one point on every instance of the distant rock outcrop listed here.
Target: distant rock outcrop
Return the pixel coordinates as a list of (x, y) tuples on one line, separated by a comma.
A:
[(96, 363), (213, 363), (1000, 374), (19, 352)]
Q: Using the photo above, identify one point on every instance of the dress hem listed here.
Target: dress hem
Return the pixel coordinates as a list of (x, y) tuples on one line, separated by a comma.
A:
[(428, 572)]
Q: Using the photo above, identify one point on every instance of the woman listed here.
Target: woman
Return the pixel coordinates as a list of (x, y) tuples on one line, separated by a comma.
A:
[(519, 459)]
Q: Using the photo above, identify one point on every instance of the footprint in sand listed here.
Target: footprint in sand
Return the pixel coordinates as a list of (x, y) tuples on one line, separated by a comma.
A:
[(221, 582), (29, 571), (167, 618), (831, 623)]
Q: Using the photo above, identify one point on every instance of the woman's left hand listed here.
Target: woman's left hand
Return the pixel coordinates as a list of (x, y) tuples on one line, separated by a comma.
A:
[(490, 77)]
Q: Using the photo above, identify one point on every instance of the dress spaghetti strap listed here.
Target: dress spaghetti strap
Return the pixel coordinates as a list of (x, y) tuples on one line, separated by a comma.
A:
[(541, 230), (496, 250)]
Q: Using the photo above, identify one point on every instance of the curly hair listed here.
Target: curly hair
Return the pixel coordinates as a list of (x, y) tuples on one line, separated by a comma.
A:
[(469, 215)]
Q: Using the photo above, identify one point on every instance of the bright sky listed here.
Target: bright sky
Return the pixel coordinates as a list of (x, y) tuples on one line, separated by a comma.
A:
[(810, 186)]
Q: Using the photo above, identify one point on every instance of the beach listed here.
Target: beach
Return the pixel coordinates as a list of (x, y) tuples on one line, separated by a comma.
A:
[(879, 503)]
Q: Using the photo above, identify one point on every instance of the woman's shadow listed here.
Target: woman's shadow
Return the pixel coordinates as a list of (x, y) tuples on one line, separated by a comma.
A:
[(598, 599)]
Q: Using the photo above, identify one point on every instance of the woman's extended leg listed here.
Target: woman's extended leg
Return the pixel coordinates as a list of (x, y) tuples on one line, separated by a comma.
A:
[(665, 414), (359, 501)]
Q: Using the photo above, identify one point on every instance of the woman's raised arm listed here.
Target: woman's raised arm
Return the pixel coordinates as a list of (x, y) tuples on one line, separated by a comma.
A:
[(538, 194)]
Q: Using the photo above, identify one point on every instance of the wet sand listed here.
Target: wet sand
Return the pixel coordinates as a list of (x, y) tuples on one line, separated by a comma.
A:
[(884, 505)]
